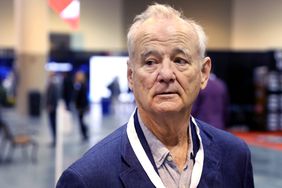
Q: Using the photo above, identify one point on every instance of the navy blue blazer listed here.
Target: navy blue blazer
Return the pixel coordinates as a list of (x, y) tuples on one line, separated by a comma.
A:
[(112, 162)]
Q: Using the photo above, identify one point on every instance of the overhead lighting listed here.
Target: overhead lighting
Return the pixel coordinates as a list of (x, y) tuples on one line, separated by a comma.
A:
[(58, 67)]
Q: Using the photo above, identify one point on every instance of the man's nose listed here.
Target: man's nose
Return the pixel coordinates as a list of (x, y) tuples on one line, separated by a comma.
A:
[(166, 72)]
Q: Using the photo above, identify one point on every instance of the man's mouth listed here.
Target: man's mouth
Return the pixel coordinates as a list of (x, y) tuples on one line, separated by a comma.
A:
[(166, 93)]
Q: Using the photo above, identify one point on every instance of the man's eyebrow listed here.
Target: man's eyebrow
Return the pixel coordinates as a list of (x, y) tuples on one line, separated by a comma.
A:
[(149, 52), (180, 51)]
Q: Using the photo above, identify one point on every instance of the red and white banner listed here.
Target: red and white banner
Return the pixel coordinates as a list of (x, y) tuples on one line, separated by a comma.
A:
[(68, 10)]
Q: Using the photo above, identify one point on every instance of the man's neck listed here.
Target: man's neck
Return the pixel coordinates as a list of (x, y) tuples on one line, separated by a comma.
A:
[(172, 132)]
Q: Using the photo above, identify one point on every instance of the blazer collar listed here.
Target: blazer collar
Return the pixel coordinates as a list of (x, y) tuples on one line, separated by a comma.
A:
[(133, 174), (212, 157)]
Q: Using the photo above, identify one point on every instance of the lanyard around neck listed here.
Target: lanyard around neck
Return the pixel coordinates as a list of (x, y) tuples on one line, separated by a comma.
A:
[(147, 165)]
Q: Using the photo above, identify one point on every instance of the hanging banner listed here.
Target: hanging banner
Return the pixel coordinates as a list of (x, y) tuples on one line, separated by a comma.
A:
[(68, 10)]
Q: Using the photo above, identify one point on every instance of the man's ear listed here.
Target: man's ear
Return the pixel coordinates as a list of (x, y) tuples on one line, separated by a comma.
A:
[(205, 71), (130, 75)]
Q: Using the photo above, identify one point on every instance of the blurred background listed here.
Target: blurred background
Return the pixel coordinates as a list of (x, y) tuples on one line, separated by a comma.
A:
[(54, 52)]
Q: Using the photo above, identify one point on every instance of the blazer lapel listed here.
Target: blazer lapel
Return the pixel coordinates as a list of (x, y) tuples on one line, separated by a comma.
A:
[(212, 157), (133, 175)]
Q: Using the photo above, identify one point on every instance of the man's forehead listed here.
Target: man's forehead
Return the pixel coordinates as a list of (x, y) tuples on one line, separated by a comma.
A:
[(176, 43), (153, 51)]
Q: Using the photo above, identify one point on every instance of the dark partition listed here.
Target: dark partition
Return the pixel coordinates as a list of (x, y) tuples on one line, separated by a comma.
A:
[(236, 69)]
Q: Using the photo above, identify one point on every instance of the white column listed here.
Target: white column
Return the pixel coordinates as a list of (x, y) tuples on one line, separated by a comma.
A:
[(31, 47)]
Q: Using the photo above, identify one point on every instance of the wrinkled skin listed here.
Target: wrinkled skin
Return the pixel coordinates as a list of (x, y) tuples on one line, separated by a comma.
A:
[(167, 72)]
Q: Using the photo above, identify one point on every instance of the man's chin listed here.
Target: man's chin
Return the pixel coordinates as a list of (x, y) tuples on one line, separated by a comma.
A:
[(166, 107)]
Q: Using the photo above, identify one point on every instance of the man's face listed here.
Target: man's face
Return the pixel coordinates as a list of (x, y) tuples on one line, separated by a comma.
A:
[(166, 71)]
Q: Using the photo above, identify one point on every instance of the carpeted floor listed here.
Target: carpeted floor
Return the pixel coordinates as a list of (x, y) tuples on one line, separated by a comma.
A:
[(270, 140)]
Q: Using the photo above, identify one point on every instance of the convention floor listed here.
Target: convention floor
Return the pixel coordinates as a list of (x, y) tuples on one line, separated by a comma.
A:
[(22, 172)]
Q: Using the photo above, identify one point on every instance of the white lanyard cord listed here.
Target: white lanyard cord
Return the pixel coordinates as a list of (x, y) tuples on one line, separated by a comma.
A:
[(147, 165), (199, 160), (141, 154)]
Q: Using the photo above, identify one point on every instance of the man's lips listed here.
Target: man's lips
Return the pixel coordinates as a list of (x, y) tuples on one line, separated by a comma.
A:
[(167, 93)]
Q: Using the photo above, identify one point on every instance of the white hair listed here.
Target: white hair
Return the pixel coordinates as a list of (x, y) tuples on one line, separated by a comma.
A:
[(164, 11)]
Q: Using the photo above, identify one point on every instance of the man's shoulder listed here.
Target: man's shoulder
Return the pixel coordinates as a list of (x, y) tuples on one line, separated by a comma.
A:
[(220, 137), (226, 156), (99, 166)]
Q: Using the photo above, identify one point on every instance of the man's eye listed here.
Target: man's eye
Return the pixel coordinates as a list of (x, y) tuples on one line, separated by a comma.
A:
[(150, 62), (180, 61)]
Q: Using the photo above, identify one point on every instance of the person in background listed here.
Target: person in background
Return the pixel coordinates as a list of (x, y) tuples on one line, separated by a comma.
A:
[(67, 89), (3, 95), (114, 87), (212, 103), (52, 98), (162, 145), (81, 102)]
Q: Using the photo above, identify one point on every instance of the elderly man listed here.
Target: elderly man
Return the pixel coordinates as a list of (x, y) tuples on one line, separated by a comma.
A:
[(162, 145)]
